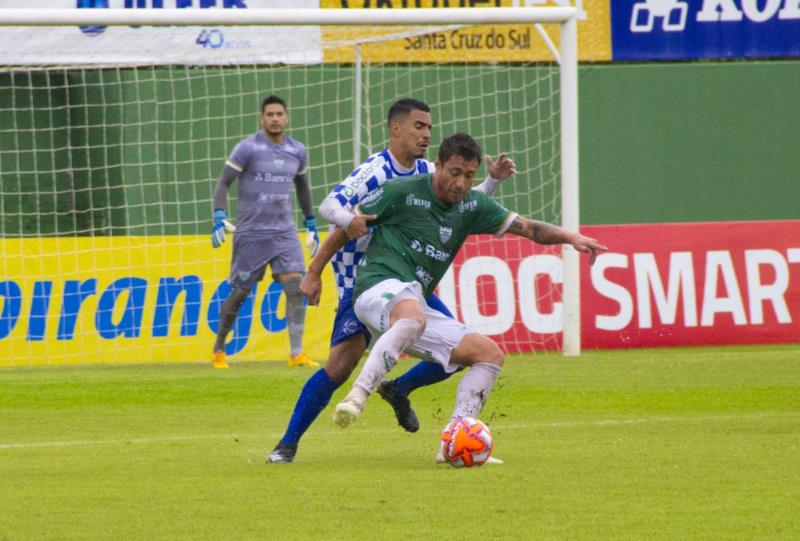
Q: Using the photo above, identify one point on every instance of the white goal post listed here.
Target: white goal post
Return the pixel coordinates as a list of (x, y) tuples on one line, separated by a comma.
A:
[(565, 58)]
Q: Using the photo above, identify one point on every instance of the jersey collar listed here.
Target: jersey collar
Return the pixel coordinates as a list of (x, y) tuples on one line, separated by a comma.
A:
[(398, 169)]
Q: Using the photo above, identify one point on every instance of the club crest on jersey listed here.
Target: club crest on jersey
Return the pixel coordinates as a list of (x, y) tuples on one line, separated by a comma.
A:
[(445, 233), (277, 162)]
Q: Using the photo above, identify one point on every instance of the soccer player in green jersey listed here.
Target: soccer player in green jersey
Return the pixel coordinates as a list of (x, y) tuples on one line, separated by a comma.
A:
[(422, 222)]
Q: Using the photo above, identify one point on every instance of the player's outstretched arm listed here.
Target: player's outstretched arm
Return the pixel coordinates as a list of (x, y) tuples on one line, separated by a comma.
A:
[(545, 233), (499, 170)]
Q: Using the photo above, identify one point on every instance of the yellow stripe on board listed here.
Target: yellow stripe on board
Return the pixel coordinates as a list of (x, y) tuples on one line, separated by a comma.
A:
[(489, 43)]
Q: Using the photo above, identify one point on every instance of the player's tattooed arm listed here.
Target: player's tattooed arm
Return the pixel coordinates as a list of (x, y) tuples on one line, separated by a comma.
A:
[(545, 233), (537, 231)]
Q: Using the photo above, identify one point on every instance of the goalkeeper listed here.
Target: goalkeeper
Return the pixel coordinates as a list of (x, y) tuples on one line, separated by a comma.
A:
[(409, 123), (266, 164)]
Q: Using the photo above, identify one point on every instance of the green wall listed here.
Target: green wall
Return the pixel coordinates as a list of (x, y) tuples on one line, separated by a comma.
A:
[(137, 151), (690, 142)]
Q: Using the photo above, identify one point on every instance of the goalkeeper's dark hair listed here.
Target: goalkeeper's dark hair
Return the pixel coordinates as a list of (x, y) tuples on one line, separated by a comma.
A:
[(404, 107), (272, 98), (459, 144)]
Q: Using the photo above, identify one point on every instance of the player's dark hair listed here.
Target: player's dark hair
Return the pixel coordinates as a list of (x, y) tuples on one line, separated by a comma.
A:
[(404, 107), (269, 100), (459, 144)]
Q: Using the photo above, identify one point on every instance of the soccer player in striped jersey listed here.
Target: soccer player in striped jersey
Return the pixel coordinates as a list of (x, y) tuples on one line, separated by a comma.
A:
[(410, 124), (267, 164), (408, 256)]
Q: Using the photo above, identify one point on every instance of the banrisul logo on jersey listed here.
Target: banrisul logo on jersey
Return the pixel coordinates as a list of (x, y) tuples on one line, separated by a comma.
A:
[(689, 29)]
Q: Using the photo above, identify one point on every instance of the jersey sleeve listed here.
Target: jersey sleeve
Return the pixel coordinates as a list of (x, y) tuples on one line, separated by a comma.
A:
[(302, 156), (240, 156), (491, 216)]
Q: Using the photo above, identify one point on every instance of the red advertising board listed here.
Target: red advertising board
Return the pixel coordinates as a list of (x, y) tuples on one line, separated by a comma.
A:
[(659, 285)]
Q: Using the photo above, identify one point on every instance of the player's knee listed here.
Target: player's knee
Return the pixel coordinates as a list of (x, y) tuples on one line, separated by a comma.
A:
[(493, 353), (292, 288), (410, 328)]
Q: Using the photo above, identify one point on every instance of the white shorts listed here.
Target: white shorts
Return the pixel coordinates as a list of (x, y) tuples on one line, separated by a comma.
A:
[(442, 334)]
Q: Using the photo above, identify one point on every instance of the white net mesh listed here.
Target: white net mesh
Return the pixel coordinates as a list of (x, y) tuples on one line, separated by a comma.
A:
[(107, 172)]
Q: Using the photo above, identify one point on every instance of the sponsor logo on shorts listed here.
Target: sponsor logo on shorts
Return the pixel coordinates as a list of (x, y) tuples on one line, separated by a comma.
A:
[(350, 326)]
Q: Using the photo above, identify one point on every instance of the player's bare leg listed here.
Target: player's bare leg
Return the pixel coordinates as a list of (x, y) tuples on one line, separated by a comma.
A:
[(227, 315), (407, 322)]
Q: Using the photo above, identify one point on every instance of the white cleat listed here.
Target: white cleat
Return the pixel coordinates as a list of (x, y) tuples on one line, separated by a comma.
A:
[(347, 411)]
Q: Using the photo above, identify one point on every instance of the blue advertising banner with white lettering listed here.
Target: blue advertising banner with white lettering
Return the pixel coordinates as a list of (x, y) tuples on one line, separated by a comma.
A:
[(682, 30)]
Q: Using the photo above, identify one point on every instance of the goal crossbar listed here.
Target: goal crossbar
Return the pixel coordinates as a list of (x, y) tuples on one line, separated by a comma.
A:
[(239, 17)]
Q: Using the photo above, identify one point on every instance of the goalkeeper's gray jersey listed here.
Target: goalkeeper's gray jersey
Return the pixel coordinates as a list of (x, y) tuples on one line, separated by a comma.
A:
[(266, 181)]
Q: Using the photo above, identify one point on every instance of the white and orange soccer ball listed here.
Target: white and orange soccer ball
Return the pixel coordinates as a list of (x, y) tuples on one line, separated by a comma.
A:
[(466, 442)]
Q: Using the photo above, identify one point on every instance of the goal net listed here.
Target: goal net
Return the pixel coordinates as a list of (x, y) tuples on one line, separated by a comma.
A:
[(113, 137)]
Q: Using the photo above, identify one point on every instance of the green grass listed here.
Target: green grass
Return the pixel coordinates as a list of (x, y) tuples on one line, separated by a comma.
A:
[(647, 444)]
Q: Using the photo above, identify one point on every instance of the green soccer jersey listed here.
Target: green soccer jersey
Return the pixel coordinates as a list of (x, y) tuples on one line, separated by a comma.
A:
[(417, 235)]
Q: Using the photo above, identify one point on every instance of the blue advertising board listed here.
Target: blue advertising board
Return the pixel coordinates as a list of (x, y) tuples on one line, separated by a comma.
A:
[(691, 29)]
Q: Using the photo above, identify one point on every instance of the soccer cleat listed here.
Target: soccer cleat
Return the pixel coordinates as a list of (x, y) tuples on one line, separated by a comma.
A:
[(440, 458), (218, 360), (406, 416), (301, 359), (282, 454), (347, 411)]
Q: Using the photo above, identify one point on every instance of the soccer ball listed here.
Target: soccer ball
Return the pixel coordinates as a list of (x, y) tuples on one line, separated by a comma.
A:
[(466, 442)]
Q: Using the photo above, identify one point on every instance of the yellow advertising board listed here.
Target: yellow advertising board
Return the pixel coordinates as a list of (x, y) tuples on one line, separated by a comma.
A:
[(485, 43), (138, 300)]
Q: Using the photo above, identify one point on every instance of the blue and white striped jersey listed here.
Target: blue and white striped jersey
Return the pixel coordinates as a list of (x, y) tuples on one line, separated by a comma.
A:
[(366, 178)]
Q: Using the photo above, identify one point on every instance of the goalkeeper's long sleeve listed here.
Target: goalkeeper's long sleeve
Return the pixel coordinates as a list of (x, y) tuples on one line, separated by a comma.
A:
[(303, 190), (226, 178)]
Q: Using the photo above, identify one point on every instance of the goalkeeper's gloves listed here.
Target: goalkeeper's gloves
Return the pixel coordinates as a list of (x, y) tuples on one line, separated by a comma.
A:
[(221, 224), (312, 235)]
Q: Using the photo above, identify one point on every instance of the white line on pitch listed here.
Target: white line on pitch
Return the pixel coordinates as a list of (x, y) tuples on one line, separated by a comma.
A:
[(499, 426)]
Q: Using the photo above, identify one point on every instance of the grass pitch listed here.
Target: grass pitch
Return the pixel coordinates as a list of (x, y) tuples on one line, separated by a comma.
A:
[(646, 444)]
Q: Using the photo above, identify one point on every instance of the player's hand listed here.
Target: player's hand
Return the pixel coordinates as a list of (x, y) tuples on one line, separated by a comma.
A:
[(588, 246), (312, 235), (221, 223), (501, 169), (358, 226), (311, 287)]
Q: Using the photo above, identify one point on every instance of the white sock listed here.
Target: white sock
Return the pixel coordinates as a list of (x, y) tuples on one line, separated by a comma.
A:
[(475, 387), (385, 352)]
